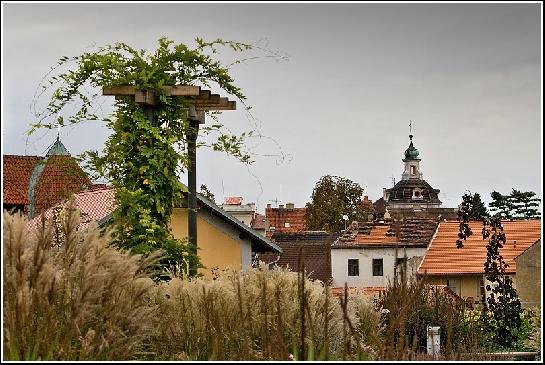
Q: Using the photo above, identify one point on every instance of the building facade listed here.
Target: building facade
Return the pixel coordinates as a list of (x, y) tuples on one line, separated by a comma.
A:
[(462, 269)]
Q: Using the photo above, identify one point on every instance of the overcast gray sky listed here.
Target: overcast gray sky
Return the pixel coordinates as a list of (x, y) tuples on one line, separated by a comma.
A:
[(468, 75)]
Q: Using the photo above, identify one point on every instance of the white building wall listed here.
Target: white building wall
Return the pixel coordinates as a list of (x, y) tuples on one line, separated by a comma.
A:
[(339, 265)]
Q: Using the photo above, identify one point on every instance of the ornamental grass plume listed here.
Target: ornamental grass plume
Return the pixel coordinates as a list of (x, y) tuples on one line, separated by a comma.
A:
[(253, 315), (81, 300)]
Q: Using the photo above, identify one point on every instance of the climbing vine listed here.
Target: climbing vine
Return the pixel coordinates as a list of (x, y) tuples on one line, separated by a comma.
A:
[(146, 153)]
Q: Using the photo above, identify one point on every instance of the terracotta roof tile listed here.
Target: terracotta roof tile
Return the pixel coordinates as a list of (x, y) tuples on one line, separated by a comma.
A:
[(444, 258), (61, 176), (286, 219), (16, 175), (94, 205), (232, 200), (412, 231), (259, 221)]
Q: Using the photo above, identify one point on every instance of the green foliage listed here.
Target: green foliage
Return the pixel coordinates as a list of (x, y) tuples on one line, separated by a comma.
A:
[(477, 209), (517, 205), (207, 193), (333, 197), (502, 309), (501, 204), (525, 204), (147, 151)]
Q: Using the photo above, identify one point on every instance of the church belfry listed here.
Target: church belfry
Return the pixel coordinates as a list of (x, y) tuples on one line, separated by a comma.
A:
[(412, 163), (412, 192)]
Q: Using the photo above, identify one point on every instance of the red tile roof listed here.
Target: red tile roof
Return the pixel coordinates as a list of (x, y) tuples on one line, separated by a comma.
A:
[(294, 217), (60, 178), (444, 258), (16, 174), (259, 222), (94, 205), (232, 200), (412, 232)]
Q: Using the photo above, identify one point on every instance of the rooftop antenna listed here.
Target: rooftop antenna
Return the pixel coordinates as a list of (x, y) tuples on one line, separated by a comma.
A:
[(222, 189), (275, 201), (393, 180)]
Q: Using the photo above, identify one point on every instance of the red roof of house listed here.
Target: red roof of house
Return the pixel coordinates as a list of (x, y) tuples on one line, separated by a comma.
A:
[(259, 221), (232, 200), (286, 219), (16, 175), (444, 258), (412, 232), (93, 205), (60, 178)]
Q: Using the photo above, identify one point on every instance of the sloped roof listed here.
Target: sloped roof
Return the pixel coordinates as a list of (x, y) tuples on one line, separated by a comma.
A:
[(315, 250), (259, 221), (402, 192), (98, 205), (413, 232), (278, 217), (41, 181), (443, 258), (93, 205), (61, 177), (16, 175)]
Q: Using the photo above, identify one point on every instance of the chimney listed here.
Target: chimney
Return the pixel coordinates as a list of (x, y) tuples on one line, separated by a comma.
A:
[(281, 206), (290, 205), (365, 198), (268, 206)]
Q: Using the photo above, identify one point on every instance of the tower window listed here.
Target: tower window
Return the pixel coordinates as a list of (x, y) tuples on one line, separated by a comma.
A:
[(413, 170)]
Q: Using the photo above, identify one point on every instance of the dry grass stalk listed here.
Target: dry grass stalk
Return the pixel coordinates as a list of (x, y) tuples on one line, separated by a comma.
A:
[(82, 300)]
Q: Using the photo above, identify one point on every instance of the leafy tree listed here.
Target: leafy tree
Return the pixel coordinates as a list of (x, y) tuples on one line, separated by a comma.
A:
[(477, 209), (207, 193), (502, 311), (147, 151), (333, 197), (501, 205), (525, 204)]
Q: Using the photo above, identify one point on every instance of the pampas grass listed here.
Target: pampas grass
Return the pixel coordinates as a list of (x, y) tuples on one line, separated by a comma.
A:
[(82, 300)]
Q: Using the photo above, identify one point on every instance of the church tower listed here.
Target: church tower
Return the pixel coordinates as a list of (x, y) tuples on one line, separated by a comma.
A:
[(412, 192)]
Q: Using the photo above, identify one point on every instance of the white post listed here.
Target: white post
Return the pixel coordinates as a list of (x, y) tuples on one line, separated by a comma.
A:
[(434, 341)]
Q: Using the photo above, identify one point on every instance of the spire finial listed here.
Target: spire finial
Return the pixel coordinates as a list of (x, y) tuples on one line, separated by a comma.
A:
[(58, 132), (410, 126)]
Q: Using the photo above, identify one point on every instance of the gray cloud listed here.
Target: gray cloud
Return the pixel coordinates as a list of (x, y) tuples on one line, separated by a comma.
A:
[(468, 75)]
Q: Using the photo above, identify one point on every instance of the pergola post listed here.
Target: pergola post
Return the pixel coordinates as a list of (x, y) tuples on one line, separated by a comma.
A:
[(192, 196), (199, 101)]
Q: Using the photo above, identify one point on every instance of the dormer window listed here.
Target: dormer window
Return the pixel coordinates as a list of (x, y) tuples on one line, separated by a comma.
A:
[(417, 194)]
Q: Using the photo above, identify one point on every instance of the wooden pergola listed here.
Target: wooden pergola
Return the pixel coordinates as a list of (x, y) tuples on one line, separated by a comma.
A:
[(199, 101)]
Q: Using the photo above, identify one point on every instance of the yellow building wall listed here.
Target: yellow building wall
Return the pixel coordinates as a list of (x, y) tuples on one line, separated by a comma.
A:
[(466, 285), (216, 248)]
